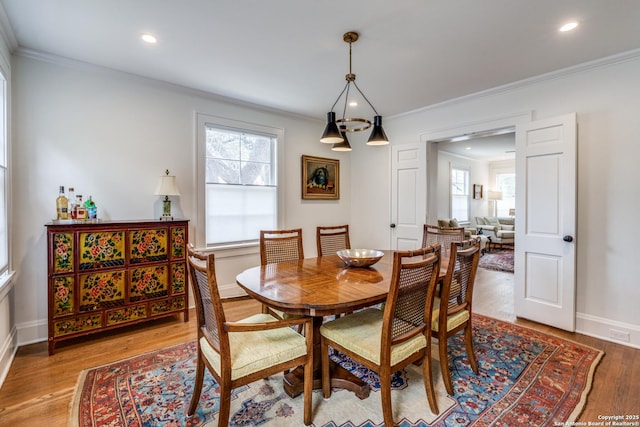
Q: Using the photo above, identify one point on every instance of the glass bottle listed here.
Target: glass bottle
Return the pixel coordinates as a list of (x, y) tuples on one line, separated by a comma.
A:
[(81, 211), (92, 210), (72, 203), (62, 205)]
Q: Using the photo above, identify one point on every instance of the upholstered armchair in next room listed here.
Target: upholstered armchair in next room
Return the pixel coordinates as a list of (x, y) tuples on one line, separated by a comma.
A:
[(501, 230)]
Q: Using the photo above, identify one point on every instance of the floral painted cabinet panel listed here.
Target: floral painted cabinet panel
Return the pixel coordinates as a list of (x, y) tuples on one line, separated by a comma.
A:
[(107, 274)]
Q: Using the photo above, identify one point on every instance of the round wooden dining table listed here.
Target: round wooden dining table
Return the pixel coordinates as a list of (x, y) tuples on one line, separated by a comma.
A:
[(319, 287)]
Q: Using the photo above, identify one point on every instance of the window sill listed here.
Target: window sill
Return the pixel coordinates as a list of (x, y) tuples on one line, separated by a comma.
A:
[(232, 250), (6, 283)]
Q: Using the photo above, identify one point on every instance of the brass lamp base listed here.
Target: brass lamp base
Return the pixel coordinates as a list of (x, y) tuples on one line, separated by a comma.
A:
[(166, 210)]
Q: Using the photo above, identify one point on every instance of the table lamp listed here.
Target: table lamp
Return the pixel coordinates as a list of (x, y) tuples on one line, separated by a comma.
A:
[(167, 187)]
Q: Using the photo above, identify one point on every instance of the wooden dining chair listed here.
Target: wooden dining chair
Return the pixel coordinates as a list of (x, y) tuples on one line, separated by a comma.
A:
[(444, 235), (387, 340), (239, 353), (280, 246), (330, 239), (452, 310)]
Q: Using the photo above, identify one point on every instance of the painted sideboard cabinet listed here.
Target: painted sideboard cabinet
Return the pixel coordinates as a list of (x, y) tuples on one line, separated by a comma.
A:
[(109, 274)]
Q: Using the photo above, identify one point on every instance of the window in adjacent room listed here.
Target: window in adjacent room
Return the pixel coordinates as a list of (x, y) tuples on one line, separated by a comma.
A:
[(240, 176), (460, 194), (506, 183)]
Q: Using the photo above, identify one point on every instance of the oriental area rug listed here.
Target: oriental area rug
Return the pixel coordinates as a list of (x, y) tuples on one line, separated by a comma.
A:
[(498, 260), (526, 378)]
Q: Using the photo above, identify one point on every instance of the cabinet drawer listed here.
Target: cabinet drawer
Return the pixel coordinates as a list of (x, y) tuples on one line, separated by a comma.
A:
[(149, 245), (99, 249), (178, 278), (126, 314), (62, 289), (174, 304), (101, 290), (149, 282), (62, 251), (77, 324)]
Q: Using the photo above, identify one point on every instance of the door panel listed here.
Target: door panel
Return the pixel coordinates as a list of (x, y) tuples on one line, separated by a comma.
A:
[(546, 192), (408, 195)]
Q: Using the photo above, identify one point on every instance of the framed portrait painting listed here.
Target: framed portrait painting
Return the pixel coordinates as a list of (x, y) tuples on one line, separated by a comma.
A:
[(477, 191), (320, 178)]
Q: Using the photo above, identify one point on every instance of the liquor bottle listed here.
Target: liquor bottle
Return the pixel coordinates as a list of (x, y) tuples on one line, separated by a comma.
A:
[(72, 203), (81, 211), (92, 210), (62, 205)]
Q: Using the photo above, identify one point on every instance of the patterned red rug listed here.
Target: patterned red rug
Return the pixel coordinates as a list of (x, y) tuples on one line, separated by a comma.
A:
[(526, 378), (498, 260)]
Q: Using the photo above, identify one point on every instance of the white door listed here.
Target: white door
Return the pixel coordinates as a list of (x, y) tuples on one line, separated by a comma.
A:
[(408, 195), (545, 250)]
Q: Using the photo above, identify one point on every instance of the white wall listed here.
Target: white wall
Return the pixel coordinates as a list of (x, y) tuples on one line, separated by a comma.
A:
[(606, 98), (111, 135)]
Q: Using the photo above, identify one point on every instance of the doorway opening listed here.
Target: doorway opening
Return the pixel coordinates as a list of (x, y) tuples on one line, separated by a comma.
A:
[(488, 153)]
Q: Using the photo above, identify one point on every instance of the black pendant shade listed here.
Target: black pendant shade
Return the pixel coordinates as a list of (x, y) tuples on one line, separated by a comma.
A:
[(331, 134), (378, 137), (344, 145)]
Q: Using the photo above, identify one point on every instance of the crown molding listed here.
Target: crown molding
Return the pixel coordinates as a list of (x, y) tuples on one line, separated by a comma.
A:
[(87, 66), (607, 61), (6, 30)]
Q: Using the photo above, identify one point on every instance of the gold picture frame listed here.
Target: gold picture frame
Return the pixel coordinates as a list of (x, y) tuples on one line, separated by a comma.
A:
[(477, 191), (320, 178)]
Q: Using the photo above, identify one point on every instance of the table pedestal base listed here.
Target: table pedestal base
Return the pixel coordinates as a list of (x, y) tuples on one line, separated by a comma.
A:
[(340, 378)]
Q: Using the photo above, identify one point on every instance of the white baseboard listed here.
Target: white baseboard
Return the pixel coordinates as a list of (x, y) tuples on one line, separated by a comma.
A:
[(608, 330), (32, 332), (7, 353)]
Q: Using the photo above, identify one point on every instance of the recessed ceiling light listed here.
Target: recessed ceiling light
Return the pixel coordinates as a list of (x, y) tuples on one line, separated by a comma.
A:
[(467, 148), (149, 38), (353, 104), (569, 26)]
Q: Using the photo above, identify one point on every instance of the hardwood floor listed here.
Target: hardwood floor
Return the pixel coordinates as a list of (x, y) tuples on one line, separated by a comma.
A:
[(38, 388)]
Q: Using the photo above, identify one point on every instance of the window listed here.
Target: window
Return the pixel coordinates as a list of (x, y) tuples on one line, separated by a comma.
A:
[(4, 174), (240, 176), (460, 194), (506, 182)]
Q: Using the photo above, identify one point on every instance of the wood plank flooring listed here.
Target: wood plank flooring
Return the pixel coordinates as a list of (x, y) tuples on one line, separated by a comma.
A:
[(38, 387)]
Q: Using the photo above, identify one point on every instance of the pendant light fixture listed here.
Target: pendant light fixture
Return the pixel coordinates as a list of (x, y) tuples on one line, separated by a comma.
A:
[(344, 145), (337, 136)]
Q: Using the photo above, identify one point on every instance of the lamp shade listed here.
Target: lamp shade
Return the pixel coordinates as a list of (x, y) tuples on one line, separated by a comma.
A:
[(378, 137), (167, 186), (494, 195), (344, 145), (331, 134)]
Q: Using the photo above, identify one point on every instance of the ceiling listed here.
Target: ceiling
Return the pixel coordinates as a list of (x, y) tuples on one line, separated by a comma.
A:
[(289, 54), (483, 147)]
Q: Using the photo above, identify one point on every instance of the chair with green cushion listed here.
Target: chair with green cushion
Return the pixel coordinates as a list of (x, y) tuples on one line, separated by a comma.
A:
[(452, 310), (280, 246), (444, 235), (330, 239), (239, 353), (387, 340)]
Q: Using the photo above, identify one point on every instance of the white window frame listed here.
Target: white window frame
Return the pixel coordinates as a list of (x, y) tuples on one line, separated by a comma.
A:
[(203, 120), (508, 199), (6, 273), (467, 191)]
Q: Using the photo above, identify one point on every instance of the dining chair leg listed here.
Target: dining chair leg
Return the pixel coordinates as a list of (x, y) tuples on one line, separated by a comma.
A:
[(468, 339), (444, 363), (197, 386), (326, 380), (225, 403), (428, 382), (385, 395)]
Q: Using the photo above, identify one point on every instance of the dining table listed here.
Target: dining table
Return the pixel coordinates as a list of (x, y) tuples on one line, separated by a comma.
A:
[(320, 287)]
